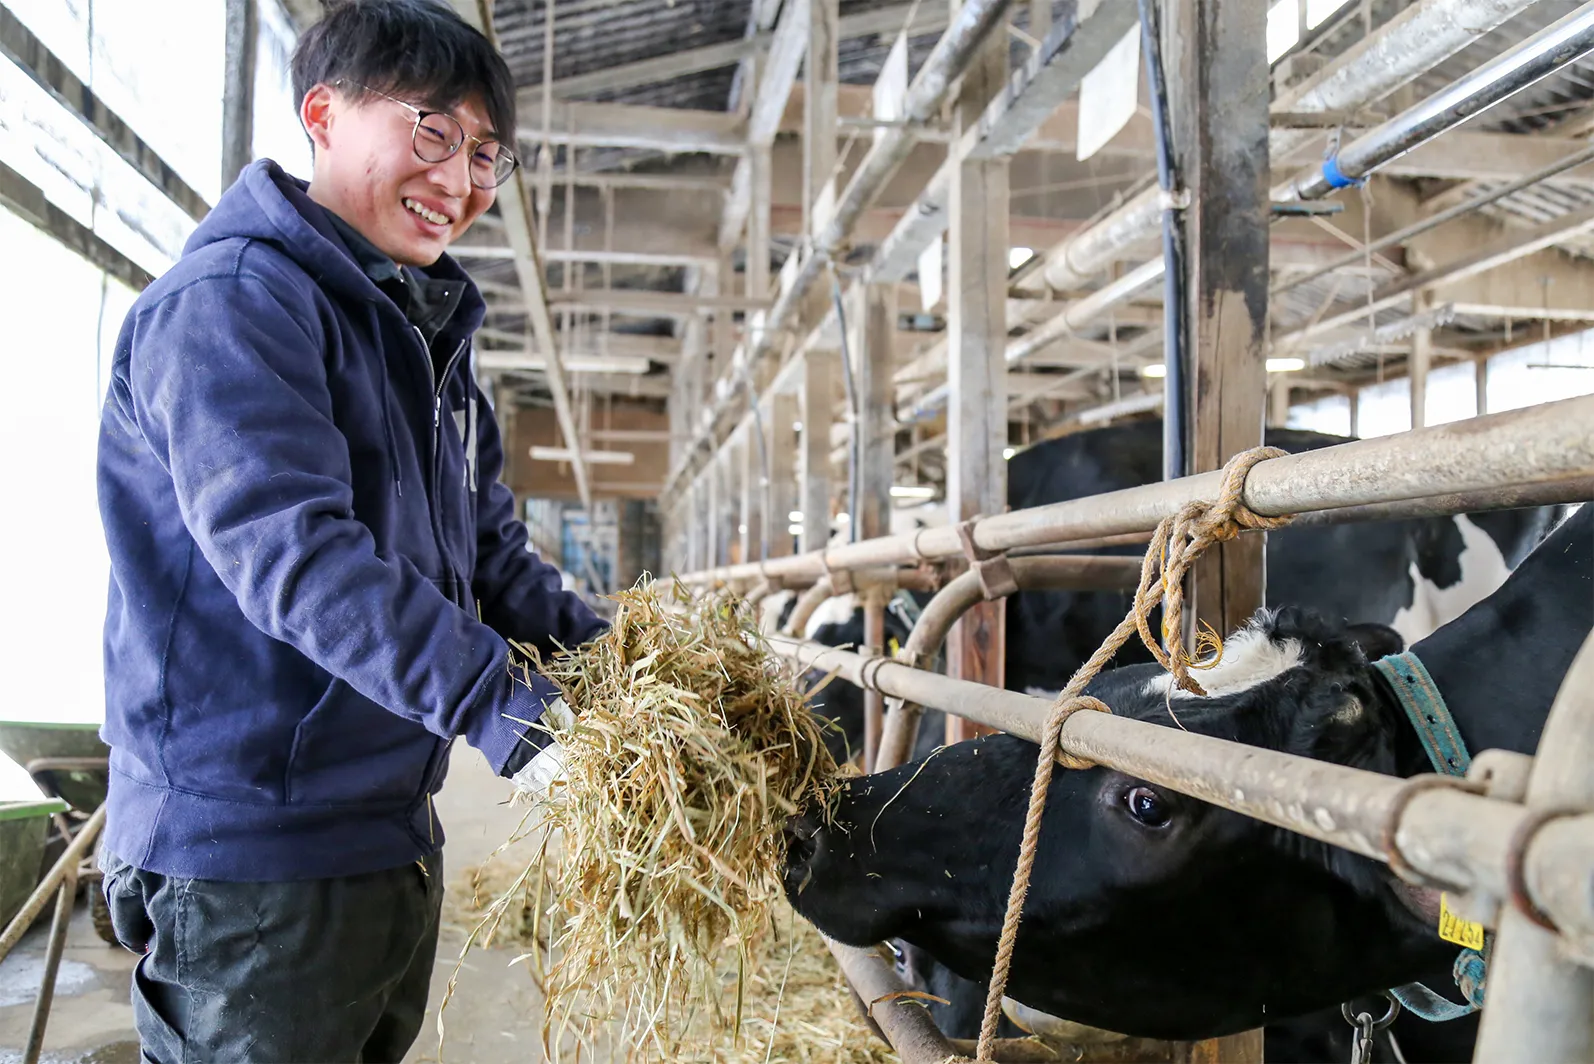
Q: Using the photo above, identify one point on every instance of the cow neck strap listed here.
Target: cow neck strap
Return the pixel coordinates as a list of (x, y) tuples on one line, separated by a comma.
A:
[(1425, 707)]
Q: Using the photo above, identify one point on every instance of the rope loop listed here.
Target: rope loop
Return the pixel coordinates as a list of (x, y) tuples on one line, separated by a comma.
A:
[(1179, 539)]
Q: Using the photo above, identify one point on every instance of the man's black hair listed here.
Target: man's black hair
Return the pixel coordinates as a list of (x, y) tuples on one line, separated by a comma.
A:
[(416, 50)]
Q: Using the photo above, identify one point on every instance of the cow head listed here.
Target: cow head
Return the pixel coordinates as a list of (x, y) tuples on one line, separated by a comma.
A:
[(1149, 912)]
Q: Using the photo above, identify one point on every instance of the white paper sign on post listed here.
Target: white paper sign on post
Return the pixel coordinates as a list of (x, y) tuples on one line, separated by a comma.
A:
[(930, 274), (1108, 95)]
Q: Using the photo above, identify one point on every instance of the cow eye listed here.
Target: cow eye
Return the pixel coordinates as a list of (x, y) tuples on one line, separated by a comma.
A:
[(1147, 806)]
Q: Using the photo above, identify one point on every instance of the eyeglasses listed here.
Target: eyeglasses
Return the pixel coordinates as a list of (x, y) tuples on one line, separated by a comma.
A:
[(437, 137)]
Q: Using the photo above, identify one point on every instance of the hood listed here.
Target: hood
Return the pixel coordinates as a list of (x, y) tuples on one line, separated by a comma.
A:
[(271, 206)]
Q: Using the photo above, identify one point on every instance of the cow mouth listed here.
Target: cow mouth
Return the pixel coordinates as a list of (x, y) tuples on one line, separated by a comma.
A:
[(800, 834)]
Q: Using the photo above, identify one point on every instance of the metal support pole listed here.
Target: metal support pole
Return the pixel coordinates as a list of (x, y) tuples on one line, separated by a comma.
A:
[(1480, 379), (1541, 998), (1218, 78), (818, 406), (757, 267), (781, 493), (238, 90), (874, 702), (977, 250)]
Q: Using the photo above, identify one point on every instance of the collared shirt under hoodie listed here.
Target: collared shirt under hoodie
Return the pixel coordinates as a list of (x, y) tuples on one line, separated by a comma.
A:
[(311, 588)]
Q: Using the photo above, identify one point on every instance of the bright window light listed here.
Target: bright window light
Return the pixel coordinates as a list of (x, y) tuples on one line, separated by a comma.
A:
[(1285, 365), (797, 426), (794, 516), (1156, 369), (794, 530), (1283, 29), (843, 519), (741, 530), (1008, 452), (912, 491), (1318, 11), (1017, 257)]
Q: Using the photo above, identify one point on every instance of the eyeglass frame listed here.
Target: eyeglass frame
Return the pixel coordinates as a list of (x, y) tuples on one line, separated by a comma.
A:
[(422, 115)]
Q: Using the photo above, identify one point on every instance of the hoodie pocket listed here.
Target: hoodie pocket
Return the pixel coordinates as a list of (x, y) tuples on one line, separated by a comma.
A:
[(350, 751)]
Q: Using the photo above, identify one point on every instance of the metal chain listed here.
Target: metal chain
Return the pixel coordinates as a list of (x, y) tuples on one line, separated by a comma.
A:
[(1361, 1046)]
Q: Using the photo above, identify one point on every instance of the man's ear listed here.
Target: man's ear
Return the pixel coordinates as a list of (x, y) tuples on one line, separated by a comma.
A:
[(1376, 640), (315, 114)]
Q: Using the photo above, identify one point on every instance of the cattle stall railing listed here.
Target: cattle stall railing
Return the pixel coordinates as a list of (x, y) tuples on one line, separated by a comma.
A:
[(1427, 469), (1534, 456), (1454, 837)]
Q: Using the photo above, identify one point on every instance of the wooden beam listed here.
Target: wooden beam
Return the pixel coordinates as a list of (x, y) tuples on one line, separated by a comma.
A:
[(704, 183), (1218, 86), (871, 329), (644, 303), (619, 125), (20, 46), (818, 389), (780, 497), (977, 247), (238, 89), (514, 206), (820, 76), (26, 200)]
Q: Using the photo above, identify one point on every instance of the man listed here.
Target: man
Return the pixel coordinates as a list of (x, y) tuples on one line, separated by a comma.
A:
[(314, 567)]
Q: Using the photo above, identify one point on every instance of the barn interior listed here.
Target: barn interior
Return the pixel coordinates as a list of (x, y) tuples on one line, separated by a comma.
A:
[(779, 276)]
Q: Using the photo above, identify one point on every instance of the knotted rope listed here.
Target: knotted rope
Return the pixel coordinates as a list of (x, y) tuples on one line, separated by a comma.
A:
[(1178, 541)]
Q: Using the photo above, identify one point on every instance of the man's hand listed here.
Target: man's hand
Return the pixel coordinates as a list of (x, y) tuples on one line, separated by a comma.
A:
[(537, 779)]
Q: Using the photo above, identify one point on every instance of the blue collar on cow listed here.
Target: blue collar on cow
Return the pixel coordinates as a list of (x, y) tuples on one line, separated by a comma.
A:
[(1425, 707)]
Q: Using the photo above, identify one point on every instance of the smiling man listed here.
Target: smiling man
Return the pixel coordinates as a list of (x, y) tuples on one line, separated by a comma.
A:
[(315, 571)]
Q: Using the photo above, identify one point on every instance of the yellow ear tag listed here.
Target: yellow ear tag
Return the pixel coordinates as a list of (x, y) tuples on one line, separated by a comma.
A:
[(892, 646), (1453, 928)]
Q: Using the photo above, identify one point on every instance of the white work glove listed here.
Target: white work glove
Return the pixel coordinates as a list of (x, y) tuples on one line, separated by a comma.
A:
[(537, 779)]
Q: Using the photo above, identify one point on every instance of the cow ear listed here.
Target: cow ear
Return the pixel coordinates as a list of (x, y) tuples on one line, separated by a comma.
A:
[(1376, 640)]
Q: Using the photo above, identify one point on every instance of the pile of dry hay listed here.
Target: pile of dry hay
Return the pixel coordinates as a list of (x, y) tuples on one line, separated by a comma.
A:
[(691, 745), (795, 1006)]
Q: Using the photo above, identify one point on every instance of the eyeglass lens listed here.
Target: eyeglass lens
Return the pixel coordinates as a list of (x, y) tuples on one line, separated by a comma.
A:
[(438, 136)]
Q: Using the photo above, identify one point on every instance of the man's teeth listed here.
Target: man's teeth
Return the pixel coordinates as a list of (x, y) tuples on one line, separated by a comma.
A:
[(425, 212)]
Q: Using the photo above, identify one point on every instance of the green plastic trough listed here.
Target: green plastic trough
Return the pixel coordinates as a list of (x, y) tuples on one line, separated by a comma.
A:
[(24, 830)]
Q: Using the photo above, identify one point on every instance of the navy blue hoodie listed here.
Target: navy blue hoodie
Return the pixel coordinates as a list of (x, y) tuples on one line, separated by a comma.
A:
[(313, 566)]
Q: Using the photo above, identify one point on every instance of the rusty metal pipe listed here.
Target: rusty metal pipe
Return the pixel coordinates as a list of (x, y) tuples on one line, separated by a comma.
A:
[(1056, 572), (65, 900), (874, 703), (1539, 995), (905, 1023), (1458, 839), (1534, 446)]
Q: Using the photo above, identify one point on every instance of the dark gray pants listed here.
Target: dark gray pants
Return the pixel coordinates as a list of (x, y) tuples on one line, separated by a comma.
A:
[(318, 970)]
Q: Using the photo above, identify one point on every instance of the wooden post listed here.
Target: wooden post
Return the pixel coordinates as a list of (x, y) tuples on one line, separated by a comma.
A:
[(781, 493), (821, 72), (757, 267), (818, 403), (1217, 77), (1278, 405), (1218, 88), (238, 90), (976, 371), (712, 534), (1480, 381), (753, 495), (871, 322), (1421, 359)]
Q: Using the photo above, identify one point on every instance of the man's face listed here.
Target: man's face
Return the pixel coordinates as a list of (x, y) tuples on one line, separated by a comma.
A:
[(367, 172)]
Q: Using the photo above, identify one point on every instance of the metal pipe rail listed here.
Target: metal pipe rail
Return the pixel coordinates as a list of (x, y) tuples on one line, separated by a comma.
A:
[(1534, 59), (1062, 572), (1534, 446), (1459, 839)]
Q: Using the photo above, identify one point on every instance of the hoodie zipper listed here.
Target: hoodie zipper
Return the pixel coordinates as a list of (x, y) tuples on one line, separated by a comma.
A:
[(434, 492)]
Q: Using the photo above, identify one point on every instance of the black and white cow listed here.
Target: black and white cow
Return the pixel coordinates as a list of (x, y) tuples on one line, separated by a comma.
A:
[(1155, 914)]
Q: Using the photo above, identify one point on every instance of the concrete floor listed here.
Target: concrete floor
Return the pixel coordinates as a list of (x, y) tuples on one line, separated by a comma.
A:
[(495, 1017)]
